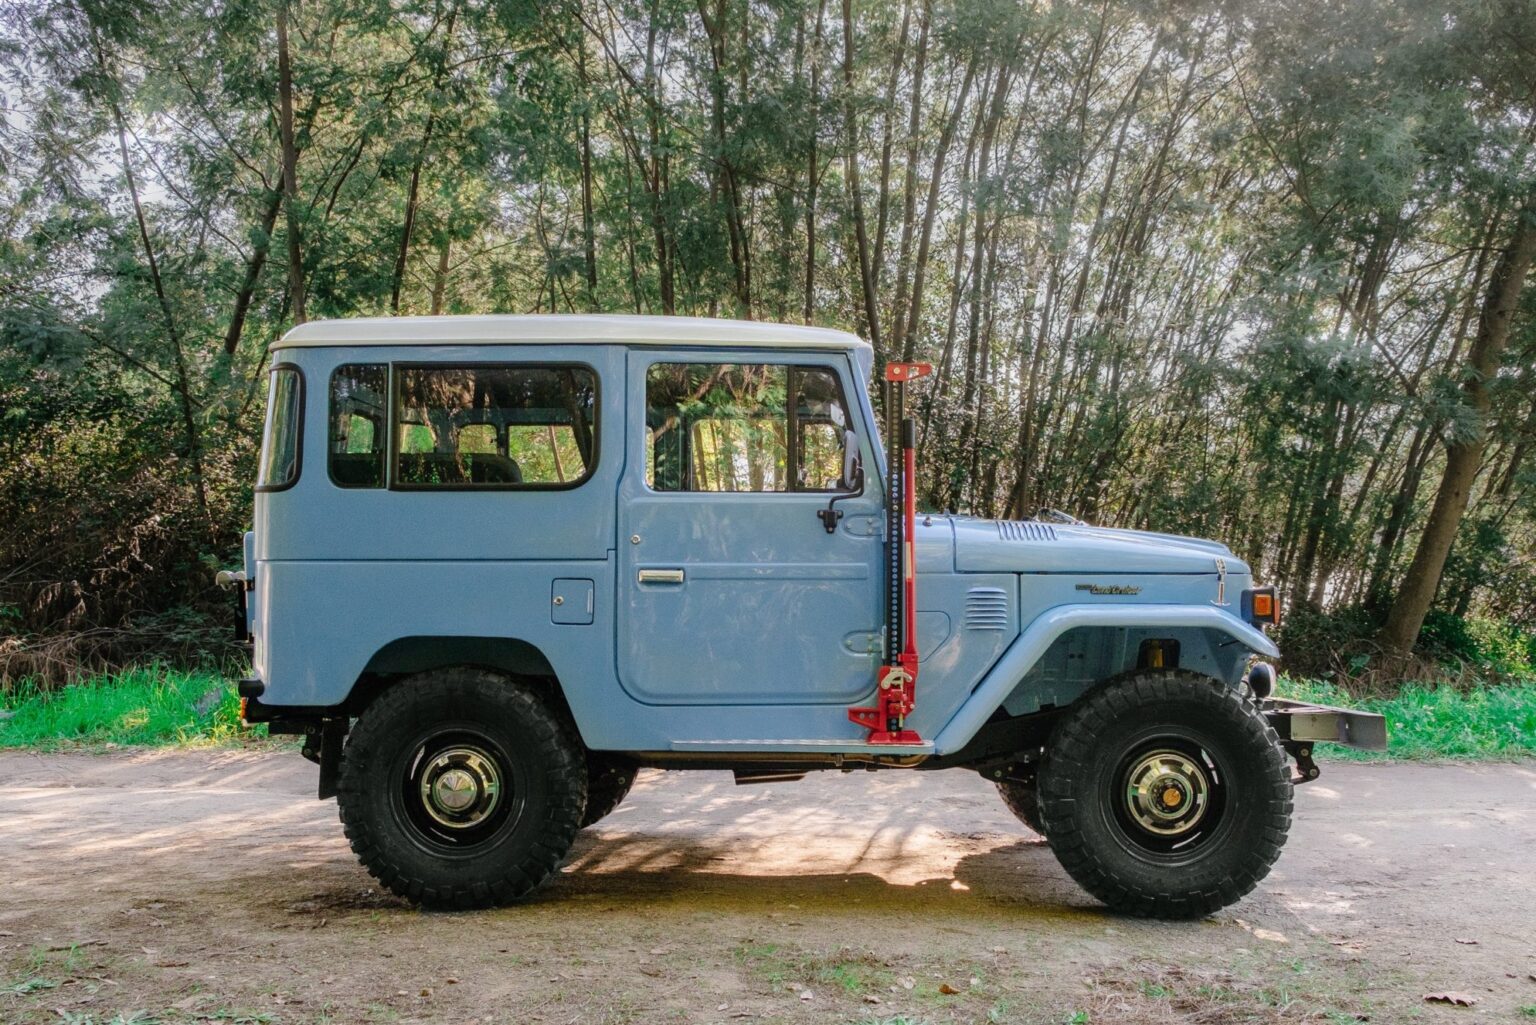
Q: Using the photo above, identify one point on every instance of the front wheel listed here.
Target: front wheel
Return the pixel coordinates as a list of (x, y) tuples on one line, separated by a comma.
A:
[(1165, 794), (460, 788), (609, 778)]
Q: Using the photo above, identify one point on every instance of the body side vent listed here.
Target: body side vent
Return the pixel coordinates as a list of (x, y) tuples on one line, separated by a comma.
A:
[(1011, 530), (986, 608)]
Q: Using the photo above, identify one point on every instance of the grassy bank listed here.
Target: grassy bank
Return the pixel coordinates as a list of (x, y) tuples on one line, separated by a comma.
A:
[(147, 706), (154, 705)]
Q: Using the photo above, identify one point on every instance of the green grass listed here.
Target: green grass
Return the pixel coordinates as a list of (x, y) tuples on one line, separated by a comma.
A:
[(1423, 722), (147, 706), (154, 705)]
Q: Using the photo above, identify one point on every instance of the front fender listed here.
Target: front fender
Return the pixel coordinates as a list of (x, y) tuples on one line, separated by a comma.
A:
[(1030, 645)]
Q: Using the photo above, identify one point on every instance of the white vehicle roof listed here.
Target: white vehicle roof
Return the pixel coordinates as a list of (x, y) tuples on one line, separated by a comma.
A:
[(564, 329)]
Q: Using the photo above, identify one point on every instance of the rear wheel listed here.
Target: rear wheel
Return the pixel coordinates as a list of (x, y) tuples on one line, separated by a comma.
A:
[(460, 788), (1165, 794), (1023, 799)]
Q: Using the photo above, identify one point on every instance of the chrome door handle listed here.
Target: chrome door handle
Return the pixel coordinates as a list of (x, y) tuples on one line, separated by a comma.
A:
[(660, 576)]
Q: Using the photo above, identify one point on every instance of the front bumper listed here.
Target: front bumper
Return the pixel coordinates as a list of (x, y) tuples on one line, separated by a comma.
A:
[(1300, 722)]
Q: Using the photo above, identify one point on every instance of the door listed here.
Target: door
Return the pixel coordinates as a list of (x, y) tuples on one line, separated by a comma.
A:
[(731, 589)]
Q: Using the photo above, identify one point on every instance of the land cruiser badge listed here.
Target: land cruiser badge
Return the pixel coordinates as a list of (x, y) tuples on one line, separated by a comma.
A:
[(1109, 588)]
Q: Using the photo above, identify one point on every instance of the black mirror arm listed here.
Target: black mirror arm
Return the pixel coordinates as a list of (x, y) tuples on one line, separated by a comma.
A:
[(830, 516)]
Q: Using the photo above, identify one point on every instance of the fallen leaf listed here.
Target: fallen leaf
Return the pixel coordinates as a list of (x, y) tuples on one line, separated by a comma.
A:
[(451, 981), (723, 1007), (426, 991), (1454, 999), (807, 995), (870, 998), (1467, 943), (947, 989)]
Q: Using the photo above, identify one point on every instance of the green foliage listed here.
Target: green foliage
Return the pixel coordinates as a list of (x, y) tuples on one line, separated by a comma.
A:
[(1492, 650), (1193, 269), (1339, 644), (150, 705), (1426, 721)]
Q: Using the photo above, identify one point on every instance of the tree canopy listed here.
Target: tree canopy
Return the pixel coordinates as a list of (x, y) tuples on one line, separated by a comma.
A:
[(1251, 270)]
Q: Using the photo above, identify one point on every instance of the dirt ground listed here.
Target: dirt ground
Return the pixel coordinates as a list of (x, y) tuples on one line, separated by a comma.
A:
[(211, 886)]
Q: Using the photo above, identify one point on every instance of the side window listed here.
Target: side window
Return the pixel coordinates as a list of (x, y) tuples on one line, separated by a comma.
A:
[(746, 427), (358, 416), (279, 466), (504, 426)]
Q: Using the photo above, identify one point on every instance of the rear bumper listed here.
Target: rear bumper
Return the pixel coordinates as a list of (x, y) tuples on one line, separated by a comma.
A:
[(1303, 723)]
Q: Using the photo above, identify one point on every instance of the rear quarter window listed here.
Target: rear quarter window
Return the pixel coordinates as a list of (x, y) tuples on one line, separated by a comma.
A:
[(280, 442)]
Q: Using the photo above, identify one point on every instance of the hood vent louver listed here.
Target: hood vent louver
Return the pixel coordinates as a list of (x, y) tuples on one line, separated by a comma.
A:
[(1014, 530), (986, 608)]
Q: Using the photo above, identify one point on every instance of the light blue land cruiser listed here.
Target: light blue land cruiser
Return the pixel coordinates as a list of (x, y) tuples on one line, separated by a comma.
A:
[(501, 563)]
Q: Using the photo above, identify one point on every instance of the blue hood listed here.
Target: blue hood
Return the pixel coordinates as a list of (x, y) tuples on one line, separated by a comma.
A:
[(1007, 546)]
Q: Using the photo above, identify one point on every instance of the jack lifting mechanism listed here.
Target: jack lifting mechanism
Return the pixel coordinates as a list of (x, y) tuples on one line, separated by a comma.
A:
[(896, 694)]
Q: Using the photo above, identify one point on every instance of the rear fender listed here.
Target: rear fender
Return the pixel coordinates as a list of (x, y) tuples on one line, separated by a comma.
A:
[(1033, 643)]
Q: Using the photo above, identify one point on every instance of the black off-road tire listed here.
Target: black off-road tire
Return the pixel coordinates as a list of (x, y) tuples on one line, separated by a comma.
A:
[(609, 778), (491, 728), (1023, 799), (1093, 816)]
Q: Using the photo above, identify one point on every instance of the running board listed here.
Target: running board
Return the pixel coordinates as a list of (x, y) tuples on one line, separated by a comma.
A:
[(850, 747)]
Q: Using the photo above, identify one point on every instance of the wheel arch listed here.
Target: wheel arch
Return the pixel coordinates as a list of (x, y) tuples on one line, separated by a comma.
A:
[(1234, 639), (405, 657)]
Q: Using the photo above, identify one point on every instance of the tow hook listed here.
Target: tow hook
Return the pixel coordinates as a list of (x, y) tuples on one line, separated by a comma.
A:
[(1306, 768)]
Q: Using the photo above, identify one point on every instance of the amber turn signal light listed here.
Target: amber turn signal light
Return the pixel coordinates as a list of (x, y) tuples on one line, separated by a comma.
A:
[(1261, 606)]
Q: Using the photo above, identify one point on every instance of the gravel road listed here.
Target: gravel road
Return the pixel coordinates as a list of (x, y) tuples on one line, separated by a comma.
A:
[(211, 886)]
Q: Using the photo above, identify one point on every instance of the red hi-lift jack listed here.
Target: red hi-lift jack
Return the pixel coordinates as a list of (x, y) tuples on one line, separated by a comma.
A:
[(896, 694)]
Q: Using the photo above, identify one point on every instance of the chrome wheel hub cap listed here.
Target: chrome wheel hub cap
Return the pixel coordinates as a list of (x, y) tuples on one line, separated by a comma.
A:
[(1167, 793), (461, 787)]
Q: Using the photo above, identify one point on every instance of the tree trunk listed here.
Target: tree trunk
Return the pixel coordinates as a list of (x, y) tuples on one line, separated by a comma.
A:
[(588, 232), (861, 231), (813, 169), (1464, 456), (909, 190), (440, 279), (930, 211), (253, 267), (183, 385), (290, 165)]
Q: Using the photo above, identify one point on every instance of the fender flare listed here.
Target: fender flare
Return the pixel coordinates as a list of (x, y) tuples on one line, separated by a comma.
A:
[(1030, 645)]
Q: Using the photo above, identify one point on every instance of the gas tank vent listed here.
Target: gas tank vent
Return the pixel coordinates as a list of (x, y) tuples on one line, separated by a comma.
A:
[(1013, 530), (986, 608)]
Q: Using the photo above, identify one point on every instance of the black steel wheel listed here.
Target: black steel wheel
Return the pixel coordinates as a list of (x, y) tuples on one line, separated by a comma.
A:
[(461, 788), (609, 778), (1165, 794), (1023, 799)]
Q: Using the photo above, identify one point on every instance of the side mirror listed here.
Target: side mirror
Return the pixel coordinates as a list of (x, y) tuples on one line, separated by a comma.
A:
[(853, 463), (853, 483)]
